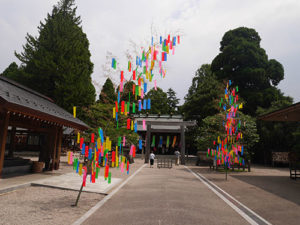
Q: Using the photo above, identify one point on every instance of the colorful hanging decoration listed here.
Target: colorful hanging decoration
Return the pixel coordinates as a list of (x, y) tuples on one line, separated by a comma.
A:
[(96, 151), (229, 149)]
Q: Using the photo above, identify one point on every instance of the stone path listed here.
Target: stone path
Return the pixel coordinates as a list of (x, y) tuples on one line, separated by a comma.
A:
[(165, 196)]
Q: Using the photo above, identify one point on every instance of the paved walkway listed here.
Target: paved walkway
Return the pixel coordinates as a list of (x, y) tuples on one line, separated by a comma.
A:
[(165, 196)]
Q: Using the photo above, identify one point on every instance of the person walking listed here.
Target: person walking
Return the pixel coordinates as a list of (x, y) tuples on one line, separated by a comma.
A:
[(152, 157), (177, 153)]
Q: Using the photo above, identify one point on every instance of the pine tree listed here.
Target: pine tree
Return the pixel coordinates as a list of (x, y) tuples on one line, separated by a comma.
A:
[(107, 94), (58, 60), (172, 101)]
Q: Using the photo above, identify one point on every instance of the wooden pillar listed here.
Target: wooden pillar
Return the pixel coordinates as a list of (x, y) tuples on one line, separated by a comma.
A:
[(54, 150), (3, 135), (182, 140), (12, 145), (48, 154), (59, 142), (148, 136)]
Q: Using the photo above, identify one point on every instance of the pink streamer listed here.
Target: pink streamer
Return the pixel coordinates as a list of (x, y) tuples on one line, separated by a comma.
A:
[(71, 157), (142, 93), (124, 140), (144, 124), (155, 85)]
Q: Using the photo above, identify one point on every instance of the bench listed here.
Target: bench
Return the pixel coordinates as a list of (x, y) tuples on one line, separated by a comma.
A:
[(294, 164), (247, 165), (164, 163)]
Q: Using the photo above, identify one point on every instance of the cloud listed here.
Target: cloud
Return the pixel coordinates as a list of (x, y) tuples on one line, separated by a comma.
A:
[(110, 25)]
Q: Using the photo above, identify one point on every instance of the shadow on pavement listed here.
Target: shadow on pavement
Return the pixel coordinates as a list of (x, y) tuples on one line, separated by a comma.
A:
[(281, 186)]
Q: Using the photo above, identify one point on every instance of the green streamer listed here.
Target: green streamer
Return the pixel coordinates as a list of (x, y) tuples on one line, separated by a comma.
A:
[(168, 141)]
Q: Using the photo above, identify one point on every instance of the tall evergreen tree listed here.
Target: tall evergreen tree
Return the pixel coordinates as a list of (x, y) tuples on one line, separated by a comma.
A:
[(108, 94), (159, 101), (243, 61), (58, 60), (172, 101), (203, 95)]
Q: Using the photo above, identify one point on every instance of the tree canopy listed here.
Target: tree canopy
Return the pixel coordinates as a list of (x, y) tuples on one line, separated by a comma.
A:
[(172, 101), (243, 61), (212, 127), (58, 60), (203, 95), (108, 94), (159, 101)]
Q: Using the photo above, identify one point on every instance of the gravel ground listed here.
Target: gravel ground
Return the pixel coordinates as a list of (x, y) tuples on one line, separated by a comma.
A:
[(41, 205)]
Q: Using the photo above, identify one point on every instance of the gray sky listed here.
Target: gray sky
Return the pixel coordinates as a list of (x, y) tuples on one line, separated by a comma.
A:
[(110, 25)]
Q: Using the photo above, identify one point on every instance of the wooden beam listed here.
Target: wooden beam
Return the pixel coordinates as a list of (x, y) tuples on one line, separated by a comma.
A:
[(165, 131), (39, 126), (3, 135), (163, 123), (42, 115)]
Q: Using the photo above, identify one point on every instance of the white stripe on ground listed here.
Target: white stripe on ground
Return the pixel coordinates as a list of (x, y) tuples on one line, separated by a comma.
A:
[(244, 215), (105, 199), (265, 221)]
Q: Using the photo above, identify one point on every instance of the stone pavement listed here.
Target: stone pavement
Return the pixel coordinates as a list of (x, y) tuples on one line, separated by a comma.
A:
[(267, 191), (165, 196)]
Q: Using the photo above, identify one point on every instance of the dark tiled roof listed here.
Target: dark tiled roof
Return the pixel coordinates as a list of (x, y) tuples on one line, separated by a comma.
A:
[(289, 113), (17, 94)]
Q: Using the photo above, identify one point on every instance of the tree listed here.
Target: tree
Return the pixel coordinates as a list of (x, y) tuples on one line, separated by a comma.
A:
[(100, 115), (108, 94), (246, 64), (58, 60), (212, 127), (159, 101), (172, 101), (202, 98)]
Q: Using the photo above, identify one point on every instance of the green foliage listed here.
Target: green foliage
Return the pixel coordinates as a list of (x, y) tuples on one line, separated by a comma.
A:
[(203, 95), (100, 115), (201, 101), (172, 101), (108, 94), (58, 60), (159, 101), (243, 61), (127, 92), (212, 127), (17, 74)]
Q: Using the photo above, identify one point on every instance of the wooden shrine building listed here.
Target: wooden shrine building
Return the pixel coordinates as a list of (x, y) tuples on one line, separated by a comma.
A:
[(21, 107), (151, 127), (289, 113)]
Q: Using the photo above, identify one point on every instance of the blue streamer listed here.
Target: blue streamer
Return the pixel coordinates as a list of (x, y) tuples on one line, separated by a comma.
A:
[(135, 127), (83, 149), (149, 103), (90, 153)]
